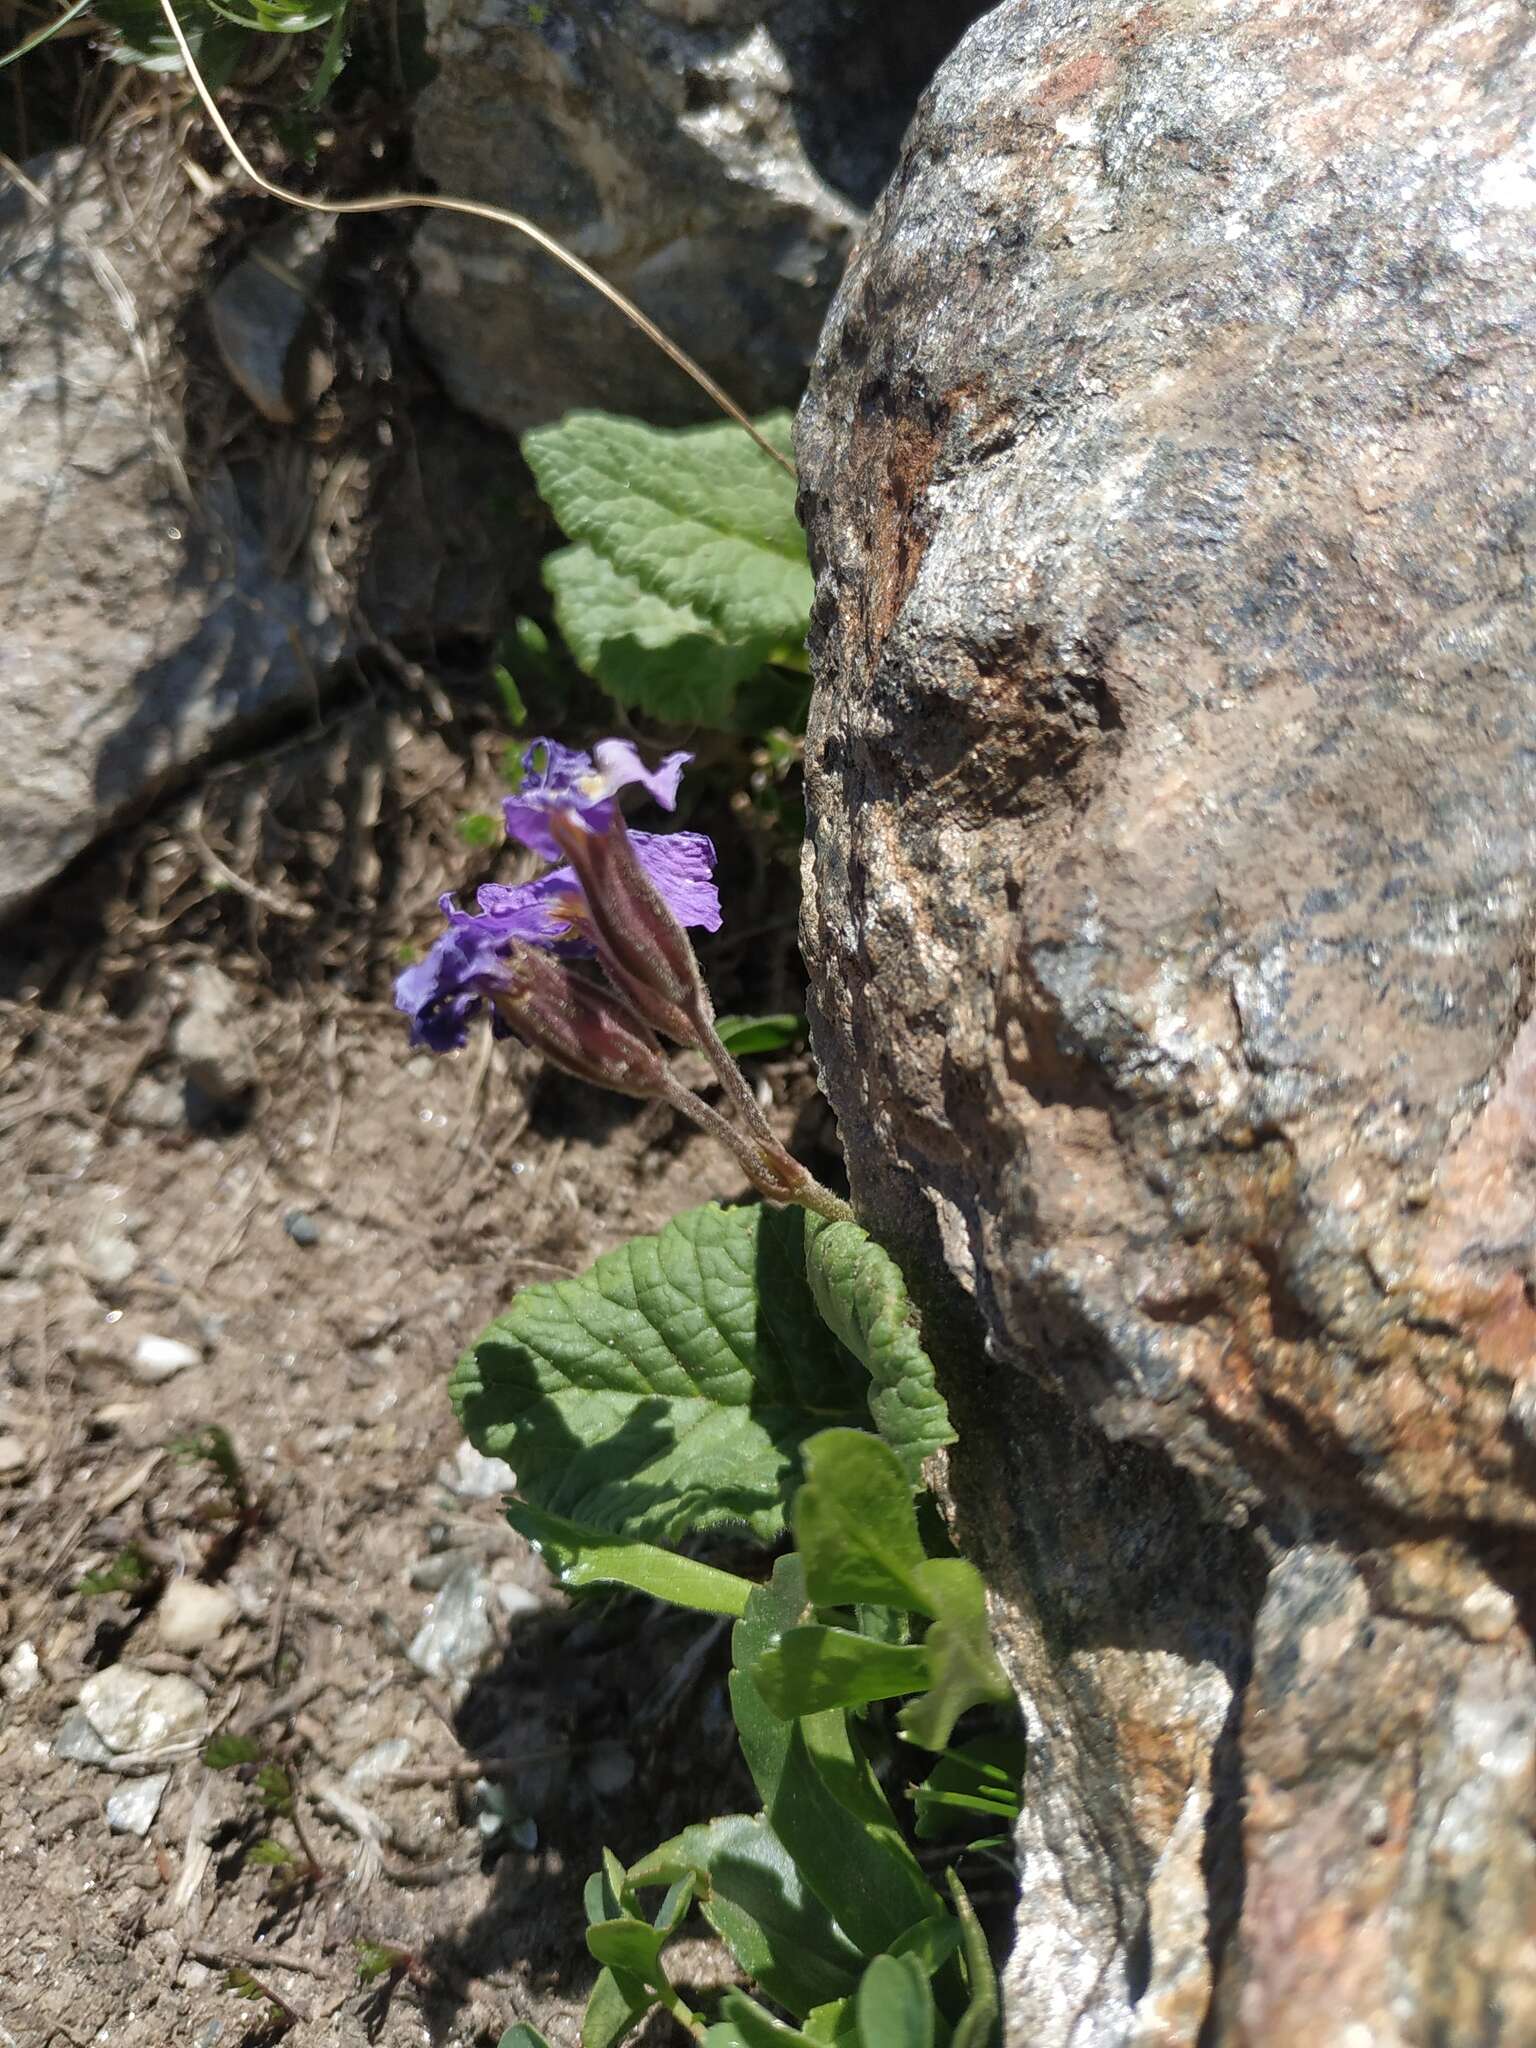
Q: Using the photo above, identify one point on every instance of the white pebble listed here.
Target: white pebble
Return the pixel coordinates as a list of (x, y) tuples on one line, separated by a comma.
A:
[(20, 1673), (191, 1615), (132, 1808), (14, 1458), (133, 1709), (159, 1358)]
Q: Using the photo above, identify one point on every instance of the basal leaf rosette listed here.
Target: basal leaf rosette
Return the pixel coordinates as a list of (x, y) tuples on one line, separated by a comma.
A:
[(670, 1387)]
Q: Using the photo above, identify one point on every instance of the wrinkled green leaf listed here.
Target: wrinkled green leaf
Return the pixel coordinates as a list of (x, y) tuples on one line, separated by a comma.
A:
[(751, 1893), (981, 2024), (807, 1670), (894, 2004), (743, 1035), (963, 1667), (855, 1526), (863, 1298), (649, 655), (668, 1388), (587, 1557), (819, 1792), (688, 571), (140, 36)]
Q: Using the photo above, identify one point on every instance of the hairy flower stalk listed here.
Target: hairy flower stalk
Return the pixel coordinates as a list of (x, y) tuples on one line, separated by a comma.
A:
[(624, 898)]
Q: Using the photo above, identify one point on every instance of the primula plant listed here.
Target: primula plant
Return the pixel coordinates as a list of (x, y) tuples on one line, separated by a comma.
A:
[(755, 1367)]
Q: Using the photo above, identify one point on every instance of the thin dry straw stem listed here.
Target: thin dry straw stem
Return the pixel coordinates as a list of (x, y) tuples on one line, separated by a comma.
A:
[(474, 209)]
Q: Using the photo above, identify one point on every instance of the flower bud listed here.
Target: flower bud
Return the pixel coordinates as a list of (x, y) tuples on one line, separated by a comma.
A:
[(644, 950), (579, 1026)]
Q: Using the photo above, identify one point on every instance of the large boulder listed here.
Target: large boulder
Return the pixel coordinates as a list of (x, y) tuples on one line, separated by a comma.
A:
[(711, 157), (1170, 900), (159, 603)]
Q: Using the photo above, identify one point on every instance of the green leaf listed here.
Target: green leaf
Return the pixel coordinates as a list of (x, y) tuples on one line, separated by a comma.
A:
[(226, 1752), (863, 1298), (588, 1557), (833, 2026), (376, 1959), (964, 1671), (808, 1669), (855, 1526), (270, 1854), (932, 1942), (818, 1791), (626, 1944), (743, 1035), (980, 1777), (894, 2004), (649, 655), (754, 2028), (615, 2005), (129, 1572), (981, 2024), (274, 1788), (523, 2036), (512, 704), (751, 1893), (689, 569), (669, 1388), (478, 828)]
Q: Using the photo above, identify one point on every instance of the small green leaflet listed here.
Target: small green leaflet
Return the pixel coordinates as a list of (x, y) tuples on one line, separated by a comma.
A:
[(743, 1035), (671, 1386), (587, 1557), (687, 569)]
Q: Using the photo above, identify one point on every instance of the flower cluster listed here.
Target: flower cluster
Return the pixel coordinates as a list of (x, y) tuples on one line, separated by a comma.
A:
[(475, 959), (623, 900)]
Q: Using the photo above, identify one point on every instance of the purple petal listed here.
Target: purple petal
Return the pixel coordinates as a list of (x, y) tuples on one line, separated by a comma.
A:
[(567, 780), (681, 864), (619, 764)]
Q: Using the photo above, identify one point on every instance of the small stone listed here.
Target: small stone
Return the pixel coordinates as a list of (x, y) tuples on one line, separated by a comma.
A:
[(20, 1672), (377, 1762), (14, 1458), (267, 325), (78, 1740), (191, 1615), (514, 1599), (161, 1358), (132, 1808), (431, 1574), (472, 1476), (611, 1768), (457, 1632), (212, 1040), (154, 1104), (301, 1227), (109, 1258), (132, 1709)]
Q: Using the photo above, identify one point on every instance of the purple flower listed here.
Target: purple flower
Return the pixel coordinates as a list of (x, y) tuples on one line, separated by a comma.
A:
[(444, 992), (583, 786), (469, 963)]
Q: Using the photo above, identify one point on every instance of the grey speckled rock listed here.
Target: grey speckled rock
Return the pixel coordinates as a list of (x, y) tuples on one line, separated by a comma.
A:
[(1171, 896), (710, 157), (139, 620)]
